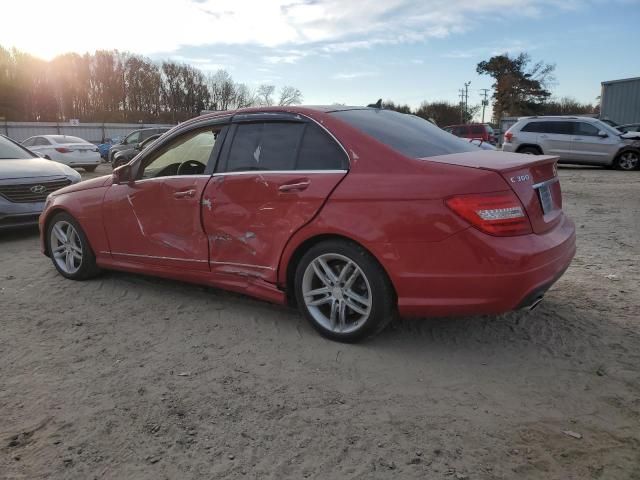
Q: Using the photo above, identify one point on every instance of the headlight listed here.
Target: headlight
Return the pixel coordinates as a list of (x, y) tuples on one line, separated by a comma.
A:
[(74, 176)]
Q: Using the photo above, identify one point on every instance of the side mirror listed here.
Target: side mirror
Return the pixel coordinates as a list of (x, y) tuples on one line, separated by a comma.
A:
[(122, 174), (138, 146), (603, 134)]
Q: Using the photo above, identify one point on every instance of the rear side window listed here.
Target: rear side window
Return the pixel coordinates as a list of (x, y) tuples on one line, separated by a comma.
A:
[(477, 129), (533, 127), (265, 146), (407, 134), (41, 142), (560, 128), (320, 152)]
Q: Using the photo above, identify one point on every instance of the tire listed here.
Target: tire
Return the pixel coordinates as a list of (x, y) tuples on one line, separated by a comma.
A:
[(627, 161), (82, 264), (353, 300), (90, 169), (530, 151)]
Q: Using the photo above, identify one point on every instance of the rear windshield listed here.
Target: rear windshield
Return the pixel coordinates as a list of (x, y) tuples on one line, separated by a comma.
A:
[(410, 135), (66, 139), (10, 151)]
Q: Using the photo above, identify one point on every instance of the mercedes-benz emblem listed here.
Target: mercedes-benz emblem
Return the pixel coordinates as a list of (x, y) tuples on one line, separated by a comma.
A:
[(38, 189)]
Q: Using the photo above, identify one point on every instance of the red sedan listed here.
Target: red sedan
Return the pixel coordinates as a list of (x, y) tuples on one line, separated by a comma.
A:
[(354, 214)]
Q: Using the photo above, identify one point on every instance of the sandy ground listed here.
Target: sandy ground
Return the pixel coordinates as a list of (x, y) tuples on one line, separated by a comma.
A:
[(129, 377)]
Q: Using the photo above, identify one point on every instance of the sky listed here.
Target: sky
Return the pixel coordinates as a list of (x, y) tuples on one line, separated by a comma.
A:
[(347, 51)]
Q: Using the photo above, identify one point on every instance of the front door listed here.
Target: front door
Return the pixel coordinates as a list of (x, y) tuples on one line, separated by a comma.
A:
[(273, 178), (156, 219), (589, 147)]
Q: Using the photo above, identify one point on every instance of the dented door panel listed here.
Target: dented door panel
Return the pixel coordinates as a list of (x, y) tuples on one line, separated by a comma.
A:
[(158, 222), (253, 215)]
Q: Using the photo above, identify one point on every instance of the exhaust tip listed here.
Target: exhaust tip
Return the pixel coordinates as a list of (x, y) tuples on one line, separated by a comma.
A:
[(535, 303)]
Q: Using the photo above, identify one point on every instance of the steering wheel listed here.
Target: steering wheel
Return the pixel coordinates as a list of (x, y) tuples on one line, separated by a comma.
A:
[(192, 167)]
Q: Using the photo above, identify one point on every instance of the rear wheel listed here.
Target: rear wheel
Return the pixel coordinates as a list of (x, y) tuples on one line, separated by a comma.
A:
[(530, 151), (343, 291), (629, 160), (90, 169), (69, 248)]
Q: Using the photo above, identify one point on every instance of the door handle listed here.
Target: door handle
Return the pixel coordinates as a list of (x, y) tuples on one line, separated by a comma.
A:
[(186, 193), (294, 187)]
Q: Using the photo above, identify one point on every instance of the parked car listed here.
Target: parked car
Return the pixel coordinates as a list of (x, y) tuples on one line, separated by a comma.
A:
[(629, 127), (354, 214), (105, 146), (580, 140), (132, 139), (125, 156), (72, 151), (25, 182), (480, 131)]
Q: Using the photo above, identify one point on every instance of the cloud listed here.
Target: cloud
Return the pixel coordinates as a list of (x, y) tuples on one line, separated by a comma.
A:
[(352, 75), (322, 26)]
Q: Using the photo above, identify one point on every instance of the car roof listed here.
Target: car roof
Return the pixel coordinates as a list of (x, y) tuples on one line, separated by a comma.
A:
[(558, 117), (302, 109)]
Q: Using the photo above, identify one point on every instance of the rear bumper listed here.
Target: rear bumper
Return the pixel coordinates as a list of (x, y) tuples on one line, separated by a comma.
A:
[(472, 273)]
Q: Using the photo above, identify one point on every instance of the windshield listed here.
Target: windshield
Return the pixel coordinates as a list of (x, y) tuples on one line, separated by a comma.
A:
[(11, 150), (410, 135), (66, 139)]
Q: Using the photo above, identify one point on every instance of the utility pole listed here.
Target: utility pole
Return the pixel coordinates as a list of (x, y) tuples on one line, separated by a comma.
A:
[(461, 95), (466, 100), (485, 101)]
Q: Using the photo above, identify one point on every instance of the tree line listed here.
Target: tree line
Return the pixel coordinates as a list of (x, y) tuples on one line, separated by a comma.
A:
[(113, 86)]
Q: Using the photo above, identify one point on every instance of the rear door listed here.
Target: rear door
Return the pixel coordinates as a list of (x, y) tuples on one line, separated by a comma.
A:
[(274, 175), (589, 147), (556, 138)]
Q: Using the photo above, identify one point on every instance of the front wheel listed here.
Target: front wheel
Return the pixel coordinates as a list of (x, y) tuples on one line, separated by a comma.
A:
[(69, 248), (629, 160), (343, 291)]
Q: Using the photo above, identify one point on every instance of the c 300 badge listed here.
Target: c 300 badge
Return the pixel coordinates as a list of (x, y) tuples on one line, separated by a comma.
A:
[(520, 178)]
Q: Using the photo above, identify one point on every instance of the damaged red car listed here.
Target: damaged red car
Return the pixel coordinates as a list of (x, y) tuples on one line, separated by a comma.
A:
[(353, 214)]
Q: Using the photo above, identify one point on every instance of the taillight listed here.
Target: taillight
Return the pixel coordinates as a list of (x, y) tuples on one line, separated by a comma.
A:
[(499, 214), (63, 150), (508, 135)]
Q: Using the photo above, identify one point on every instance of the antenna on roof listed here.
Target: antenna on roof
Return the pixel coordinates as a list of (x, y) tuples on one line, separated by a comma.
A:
[(378, 104)]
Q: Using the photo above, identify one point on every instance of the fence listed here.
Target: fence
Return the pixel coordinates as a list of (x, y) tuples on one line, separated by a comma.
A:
[(92, 132)]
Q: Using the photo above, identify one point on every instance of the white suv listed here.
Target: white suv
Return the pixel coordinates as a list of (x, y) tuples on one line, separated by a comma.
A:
[(582, 140)]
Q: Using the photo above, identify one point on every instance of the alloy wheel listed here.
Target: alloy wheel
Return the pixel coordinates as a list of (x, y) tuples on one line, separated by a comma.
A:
[(66, 247), (337, 293), (628, 161)]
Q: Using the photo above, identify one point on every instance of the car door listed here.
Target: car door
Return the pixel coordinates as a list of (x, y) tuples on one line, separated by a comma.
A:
[(590, 147), (273, 177), (156, 219), (556, 138)]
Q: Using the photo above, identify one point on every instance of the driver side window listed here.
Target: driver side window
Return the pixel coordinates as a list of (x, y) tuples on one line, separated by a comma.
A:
[(186, 155)]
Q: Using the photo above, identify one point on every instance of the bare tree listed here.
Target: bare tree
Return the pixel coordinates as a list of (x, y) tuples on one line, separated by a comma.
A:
[(290, 96), (264, 96)]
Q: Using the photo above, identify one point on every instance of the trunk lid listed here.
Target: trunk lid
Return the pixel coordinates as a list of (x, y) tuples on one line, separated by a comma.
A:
[(533, 178)]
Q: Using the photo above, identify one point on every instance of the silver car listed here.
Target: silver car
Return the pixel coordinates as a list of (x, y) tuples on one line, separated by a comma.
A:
[(580, 140), (25, 182)]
